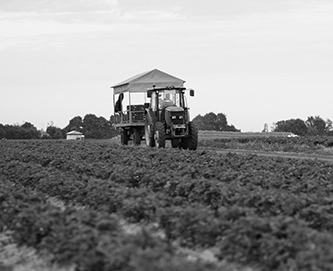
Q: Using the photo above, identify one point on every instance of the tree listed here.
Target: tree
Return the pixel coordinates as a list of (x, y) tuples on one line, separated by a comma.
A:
[(2, 131), (213, 122), (221, 122), (75, 124), (27, 125), (312, 126), (295, 126), (58, 134), (91, 125), (24, 131), (317, 126), (97, 127), (199, 121), (54, 132), (28, 131), (329, 127)]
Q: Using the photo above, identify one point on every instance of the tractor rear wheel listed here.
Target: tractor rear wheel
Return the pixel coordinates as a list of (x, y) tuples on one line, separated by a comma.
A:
[(193, 136), (124, 137), (136, 137), (149, 134), (159, 135)]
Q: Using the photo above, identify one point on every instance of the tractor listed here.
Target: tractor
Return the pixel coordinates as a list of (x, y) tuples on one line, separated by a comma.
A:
[(167, 117)]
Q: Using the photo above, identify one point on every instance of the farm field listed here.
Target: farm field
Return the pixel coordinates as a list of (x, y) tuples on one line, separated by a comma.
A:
[(267, 142), (222, 134), (94, 205)]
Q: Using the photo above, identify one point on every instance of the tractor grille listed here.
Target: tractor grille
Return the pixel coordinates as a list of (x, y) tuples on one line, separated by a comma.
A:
[(178, 117)]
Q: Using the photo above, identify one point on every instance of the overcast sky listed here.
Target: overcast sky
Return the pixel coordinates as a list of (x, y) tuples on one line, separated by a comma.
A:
[(257, 61)]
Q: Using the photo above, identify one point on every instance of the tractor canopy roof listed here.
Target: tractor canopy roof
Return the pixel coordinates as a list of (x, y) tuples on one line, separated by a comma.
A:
[(146, 80)]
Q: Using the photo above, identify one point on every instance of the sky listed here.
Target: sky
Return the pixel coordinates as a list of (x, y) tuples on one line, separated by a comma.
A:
[(257, 62)]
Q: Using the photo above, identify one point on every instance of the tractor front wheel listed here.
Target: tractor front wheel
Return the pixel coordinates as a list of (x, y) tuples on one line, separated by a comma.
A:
[(159, 135), (193, 136), (191, 141)]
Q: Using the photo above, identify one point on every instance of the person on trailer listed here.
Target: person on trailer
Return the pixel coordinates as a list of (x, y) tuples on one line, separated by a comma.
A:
[(118, 108)]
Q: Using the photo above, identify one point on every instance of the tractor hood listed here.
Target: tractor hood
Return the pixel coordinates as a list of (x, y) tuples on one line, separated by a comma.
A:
[(174, 115), (174, 109)]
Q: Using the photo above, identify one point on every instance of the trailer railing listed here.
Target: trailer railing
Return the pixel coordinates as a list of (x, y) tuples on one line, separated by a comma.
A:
[(132, 114)]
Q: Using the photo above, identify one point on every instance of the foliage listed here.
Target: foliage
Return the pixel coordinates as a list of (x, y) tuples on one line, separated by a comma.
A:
[(91, 126), (295, 126), (24, 131), (211, 121), (317, 126), (54, 132), (97, 127), (312, 126), (75, 124), (2, 131), (261, 212)]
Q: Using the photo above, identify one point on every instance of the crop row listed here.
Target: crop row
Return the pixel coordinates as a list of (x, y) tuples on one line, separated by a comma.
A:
[(87, 239), (271, 213)]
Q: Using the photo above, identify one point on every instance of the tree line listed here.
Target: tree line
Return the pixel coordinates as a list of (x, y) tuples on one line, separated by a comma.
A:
[(91, 126), (313, 126), (214, 122), (25, 131), (100, 128)]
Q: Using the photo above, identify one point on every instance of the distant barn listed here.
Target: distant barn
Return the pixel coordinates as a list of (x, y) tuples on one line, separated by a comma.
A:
[(74, 135)]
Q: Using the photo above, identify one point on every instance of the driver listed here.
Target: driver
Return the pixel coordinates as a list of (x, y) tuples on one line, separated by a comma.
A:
[(166, 101)]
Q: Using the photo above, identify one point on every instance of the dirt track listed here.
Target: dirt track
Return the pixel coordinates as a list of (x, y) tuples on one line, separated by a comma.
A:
[(324, 158)]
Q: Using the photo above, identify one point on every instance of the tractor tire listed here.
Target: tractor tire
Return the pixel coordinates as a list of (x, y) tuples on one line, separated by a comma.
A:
[(149, 134), (175, 142), (159, 135), (124, 137), (136, 137), (193, 136)]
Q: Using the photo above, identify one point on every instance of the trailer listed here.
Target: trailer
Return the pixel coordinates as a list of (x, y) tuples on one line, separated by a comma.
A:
[(130, 102)]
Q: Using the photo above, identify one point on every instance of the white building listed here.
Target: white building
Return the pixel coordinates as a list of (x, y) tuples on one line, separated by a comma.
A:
[(74, 135)]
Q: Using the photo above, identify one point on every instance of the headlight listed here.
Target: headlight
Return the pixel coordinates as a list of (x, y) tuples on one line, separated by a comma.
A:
[(175, 117)]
